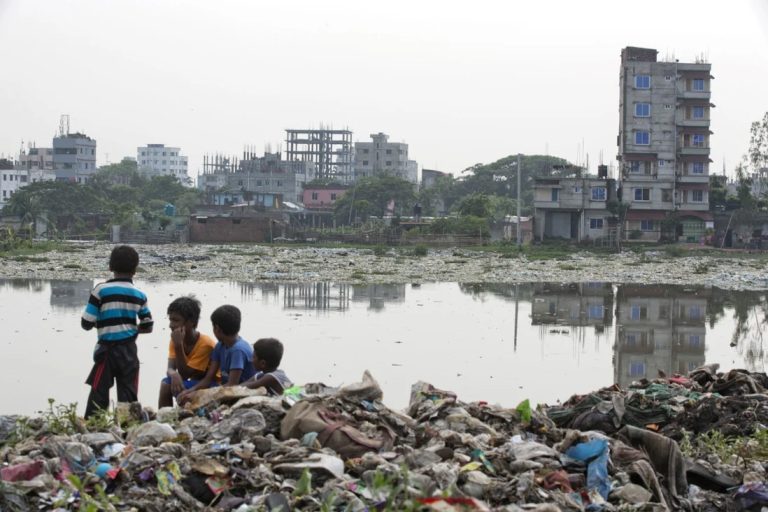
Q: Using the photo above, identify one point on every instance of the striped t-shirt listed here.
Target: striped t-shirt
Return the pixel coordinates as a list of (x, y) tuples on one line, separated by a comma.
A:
[(114, 307)]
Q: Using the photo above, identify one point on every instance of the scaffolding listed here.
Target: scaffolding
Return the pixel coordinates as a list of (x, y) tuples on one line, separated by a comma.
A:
[(330, 149)]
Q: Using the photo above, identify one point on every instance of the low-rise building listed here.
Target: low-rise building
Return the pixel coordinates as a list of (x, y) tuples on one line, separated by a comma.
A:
[(74, 157), (161, 160), (381, 156), (573, 208)]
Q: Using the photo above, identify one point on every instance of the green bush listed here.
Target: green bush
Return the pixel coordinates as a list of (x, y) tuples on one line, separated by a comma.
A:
[(635, 234), (420, 250), (467, 225)]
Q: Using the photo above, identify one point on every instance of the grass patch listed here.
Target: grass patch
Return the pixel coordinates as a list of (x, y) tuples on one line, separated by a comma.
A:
[(72, 266), (675, 251), (30, 259), (420, 250), (358, 275), (567, 266)]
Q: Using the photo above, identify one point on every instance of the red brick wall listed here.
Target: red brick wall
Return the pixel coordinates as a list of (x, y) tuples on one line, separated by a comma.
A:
[(228, 229)]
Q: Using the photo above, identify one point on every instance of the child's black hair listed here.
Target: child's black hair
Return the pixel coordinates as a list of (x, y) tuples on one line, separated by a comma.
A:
[(188, 307), (270, 350), (124, 260), (227, 318)]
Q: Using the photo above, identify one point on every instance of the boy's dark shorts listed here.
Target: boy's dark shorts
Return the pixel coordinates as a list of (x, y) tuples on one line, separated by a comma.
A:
[(114, 361)]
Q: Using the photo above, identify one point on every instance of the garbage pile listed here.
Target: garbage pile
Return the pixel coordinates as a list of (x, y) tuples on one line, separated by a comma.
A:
[(695, 442)]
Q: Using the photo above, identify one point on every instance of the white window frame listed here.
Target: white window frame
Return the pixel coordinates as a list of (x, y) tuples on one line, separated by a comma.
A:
[(640, 81), (697, 110), (698, 85), (695, 193), (642, 138), (596, 223), (646, 225), (640, 192), (642, 109), (599, 193), (698, 140), (697, 167)]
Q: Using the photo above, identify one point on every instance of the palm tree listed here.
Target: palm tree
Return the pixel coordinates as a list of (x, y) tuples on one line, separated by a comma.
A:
[(28, 208)]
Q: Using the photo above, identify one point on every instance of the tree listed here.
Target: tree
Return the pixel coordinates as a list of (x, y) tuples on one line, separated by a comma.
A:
[(758, 144), (378, 191), (27, 207), (476, 205)]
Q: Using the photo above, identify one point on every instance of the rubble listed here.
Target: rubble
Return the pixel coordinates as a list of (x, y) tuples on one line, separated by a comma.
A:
[(695, 442)]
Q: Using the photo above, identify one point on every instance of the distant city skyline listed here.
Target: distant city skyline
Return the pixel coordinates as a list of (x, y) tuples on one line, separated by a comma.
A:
[(459, 83)]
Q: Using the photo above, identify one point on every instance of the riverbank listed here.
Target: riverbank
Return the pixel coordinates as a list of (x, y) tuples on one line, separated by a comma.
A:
[(265, 263)]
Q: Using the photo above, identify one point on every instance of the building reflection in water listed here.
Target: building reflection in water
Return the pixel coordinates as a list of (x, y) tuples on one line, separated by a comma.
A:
[(318, 296), (70, 294), (377, 295), (573, 304), (660, 329)]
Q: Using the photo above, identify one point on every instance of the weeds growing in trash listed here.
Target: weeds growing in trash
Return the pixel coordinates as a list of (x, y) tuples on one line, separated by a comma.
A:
[(88, 503), (745, 449), (61, 418), (102, 419)]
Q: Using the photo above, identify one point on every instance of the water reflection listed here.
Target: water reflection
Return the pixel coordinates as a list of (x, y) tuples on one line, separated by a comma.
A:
[(500, 342), (70, 294)]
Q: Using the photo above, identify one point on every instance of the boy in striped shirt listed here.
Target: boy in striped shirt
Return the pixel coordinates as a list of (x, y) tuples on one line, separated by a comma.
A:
[(119, 312)]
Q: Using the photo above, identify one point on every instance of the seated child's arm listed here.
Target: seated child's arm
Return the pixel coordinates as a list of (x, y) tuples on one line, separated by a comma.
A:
[(210, 377), (266, 381), (234, 377)]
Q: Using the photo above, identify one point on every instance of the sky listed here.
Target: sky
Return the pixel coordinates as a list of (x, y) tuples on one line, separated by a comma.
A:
[(461, 82)]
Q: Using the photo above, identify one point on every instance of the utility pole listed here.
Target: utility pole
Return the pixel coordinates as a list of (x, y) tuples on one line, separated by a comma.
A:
[(519, 222)]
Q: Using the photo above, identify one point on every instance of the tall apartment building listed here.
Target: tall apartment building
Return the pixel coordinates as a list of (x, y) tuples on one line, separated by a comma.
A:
[(381, 156), (664, 144), (74, 157), (159, 160)]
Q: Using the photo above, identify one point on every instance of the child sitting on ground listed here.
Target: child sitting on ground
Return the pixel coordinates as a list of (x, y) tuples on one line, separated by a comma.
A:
[(267, 354), (232, 354), (189, 351)]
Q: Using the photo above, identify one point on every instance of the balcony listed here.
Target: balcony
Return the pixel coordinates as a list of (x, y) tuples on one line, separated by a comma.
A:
[(687, 177), (695, 95), (694, 123), (693, 150)]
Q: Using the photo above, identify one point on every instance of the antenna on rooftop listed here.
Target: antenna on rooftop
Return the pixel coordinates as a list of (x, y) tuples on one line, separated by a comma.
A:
[(64, 125)]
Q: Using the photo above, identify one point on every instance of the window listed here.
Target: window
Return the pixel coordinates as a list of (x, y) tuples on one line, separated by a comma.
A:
[(638, 312), (314, 196), (642, 194), (637, 369), (389, 163), (661, 163), (23, 179), (258, 183), (631, 339), (697, 196), (694, 312), (642, 138), (664, 312), (697, 167), (365, 162), (642, 109), (598, 193), (365, 151), (697, 112), (202, 220), (333, 196), (698, 84), (667, 77), (236, 221), (666, 195), (694, 340), (646, 225), (667, 107), (555, 194), (389, 151), (596, 311), (595, 223), (279, 183), (643, 81), (697, 141)]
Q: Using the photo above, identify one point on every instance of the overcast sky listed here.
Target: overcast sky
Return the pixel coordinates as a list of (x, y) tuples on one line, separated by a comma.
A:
[(460, 82)]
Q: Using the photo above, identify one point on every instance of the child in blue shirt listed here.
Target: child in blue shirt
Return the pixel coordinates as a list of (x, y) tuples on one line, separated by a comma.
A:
[(232, 354)]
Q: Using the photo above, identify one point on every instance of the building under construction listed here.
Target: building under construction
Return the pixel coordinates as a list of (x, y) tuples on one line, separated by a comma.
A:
[(330, 150)]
